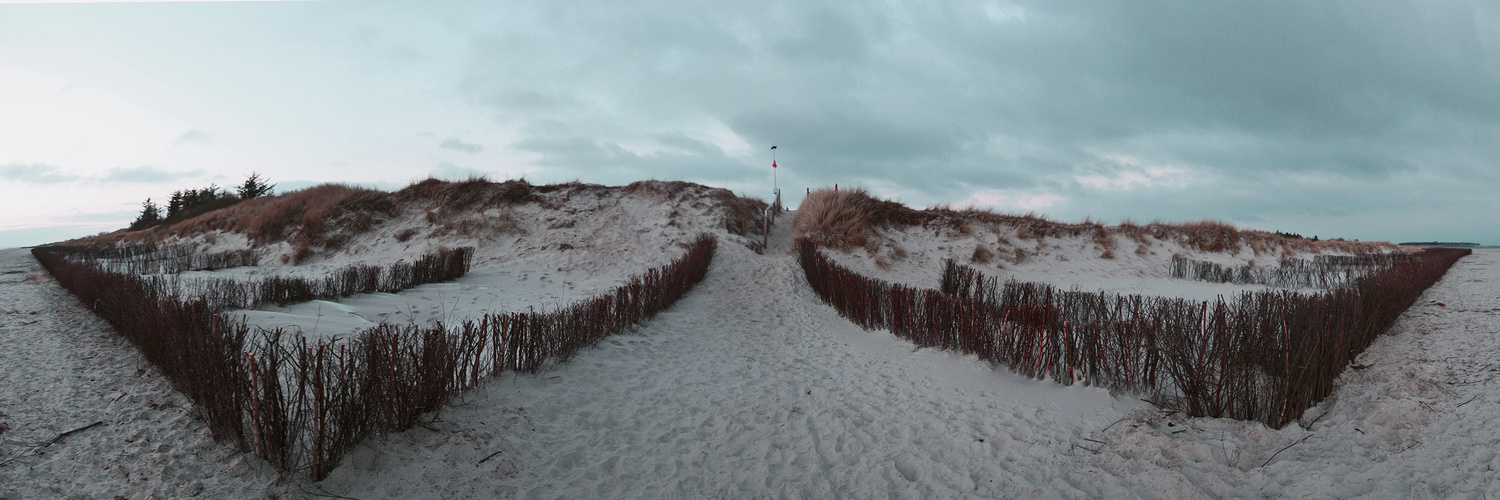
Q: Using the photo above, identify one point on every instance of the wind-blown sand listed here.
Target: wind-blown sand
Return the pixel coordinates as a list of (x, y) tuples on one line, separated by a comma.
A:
[(750, 387)]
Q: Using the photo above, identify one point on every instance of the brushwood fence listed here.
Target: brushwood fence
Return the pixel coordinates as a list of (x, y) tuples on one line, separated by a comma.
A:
[(442, 265), (1265, 356), (186, 340), (302, 403), (1323, 271), (147, 258), (230, 293)]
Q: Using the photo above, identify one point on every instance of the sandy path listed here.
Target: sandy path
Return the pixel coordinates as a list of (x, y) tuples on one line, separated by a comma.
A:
[(752, 388), (748, 387), (62, 368)]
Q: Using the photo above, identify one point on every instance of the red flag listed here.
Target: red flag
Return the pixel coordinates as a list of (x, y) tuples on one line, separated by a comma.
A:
[(773, 163)]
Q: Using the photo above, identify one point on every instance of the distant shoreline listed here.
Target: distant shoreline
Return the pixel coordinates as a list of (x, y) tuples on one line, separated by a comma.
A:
[(1440, 244)]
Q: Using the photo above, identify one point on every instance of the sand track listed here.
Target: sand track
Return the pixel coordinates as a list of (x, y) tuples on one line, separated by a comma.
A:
[(64, 368), (749, 387)]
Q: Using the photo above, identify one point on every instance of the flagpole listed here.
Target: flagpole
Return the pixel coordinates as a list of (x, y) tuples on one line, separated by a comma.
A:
[(774, 184)]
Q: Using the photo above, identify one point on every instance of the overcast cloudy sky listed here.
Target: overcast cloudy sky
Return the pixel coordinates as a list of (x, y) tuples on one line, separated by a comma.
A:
[(1359, 119)]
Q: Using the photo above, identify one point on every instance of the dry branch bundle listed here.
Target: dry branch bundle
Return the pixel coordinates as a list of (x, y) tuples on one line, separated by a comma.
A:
[(1265, 356), (303, 403)]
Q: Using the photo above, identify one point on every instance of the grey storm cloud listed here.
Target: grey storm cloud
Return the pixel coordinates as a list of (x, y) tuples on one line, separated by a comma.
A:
[(48, 174), (1267, 108), (39, 173), (682, 158), (458, 145), (193, 136), (147, 174)]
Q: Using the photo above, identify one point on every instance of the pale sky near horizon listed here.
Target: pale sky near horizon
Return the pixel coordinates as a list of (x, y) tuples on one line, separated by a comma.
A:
[(1373, 120)]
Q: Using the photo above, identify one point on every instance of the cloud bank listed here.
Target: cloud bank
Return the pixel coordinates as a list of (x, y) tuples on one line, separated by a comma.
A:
[(35, 173), (1371, 120), (1247, 111)]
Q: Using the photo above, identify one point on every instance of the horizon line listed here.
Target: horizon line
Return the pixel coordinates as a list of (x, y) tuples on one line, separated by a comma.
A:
[(46, 2)]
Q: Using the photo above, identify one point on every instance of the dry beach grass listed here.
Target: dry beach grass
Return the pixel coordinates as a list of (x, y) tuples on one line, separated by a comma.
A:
[(848, 218)]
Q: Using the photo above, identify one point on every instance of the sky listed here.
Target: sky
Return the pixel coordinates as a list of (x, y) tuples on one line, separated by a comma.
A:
[(1371, 120)]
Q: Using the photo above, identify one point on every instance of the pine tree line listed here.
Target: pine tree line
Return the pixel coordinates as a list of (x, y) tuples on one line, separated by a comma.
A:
[(187, 201)]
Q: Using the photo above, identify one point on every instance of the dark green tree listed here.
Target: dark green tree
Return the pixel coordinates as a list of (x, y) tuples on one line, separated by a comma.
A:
[(184, 201), (150, 216), (174, 206), (254, 187)]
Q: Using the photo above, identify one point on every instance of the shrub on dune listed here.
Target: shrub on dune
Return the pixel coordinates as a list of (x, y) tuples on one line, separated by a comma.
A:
[(841, 219)]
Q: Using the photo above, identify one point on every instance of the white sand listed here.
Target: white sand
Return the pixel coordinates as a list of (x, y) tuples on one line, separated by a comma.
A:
[(750, 387)]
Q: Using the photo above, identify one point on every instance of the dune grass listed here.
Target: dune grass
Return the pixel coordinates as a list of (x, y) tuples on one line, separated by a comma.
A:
[(323, 219), (844, 219)]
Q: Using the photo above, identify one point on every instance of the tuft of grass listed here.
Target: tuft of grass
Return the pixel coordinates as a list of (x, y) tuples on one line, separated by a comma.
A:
[(982, 255), (843, 219), (1211, 236), (1104, 239), (1205, 235), (468, 194), (322, 217)]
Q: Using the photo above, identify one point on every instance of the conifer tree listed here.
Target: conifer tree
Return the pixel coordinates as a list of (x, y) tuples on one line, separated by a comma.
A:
[(150, 216), (254, 187), (174, 206)]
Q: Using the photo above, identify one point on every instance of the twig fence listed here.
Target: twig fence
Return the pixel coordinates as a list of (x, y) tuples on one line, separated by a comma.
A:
[(436, 267), (1265, 356), (303, 403), (1323, 271), (161, 266), (148, 258)]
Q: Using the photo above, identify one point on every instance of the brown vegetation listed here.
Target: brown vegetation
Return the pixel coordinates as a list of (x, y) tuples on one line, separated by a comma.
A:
[(849, 218), (845, 219), (323, 217), (1265, 356), (981, 255), (466, 195), (301, 404), (326, 218)]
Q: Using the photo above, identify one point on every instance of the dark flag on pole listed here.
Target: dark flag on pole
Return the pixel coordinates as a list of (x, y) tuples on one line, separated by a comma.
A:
[(776, 189)]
